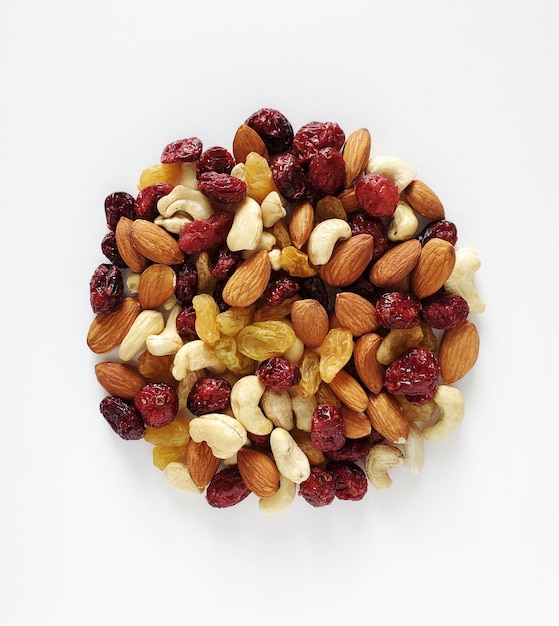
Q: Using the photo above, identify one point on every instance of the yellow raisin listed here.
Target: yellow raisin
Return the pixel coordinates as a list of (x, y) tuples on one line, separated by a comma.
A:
[(161, 173), (206, 313), (156, 368), (429, 340), (335, 352), (325, 395), (206, 282), (329, 207), (233, 320), (174, 434), (281, 233), (258, 177), (275, 312), (296, 263), (163, 455), (227, 352), (309, 366), (263, 340)]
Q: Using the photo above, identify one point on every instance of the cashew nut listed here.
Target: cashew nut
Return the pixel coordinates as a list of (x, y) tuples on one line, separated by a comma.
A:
[(147, 323), (451, 407), (272, 209), (247, 227), (171, 302), (295, 352), (275, 259), (414, 413), (238, 171), (291, 461), (404, 223), (168, 341), (324, 237), (178, 475), (188, 175), (303, 407), (194, 356), (245, 397), (184, 388), (172, 224), (133, 282), (276, 406), (283, 497), (266, 242), (461, 280), (186, 200), (225, 435), (378, 461), (397, 342), (414, 450), (398, 171)]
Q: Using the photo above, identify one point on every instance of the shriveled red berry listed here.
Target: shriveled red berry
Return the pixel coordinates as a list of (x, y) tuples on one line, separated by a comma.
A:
[(208, 395), (260, 441), (326, 173), (350, 481), (123, 418), (415, 373), (222, 188), (318, 490), (314, 136), (377, 194), (187, 284), (145, 205), (289, 176), (327, 428), (117, 205), (355, 449), (110, 250), (314, 287), (445, 310), (273, 128), (278, 289), (186, 324), (215, 159), (362, 223), (398, 309), (278, 373), (158, 404), (183, 150), (440, 229), (364, 288), (225, 263), (106, 288), (226, 488), (205, 234)]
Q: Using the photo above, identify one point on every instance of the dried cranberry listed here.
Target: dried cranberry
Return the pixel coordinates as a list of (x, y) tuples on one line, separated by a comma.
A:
[(124, 418), (364, 288), (208, 395), (225, 263), (318, 490), (278, 373), (106, 288), (222, 188), (158, 404), (260, 441), (327, 428), (187, 283), (350, 481), (398, 309), (377, 194), (361, 223), (440, 229), (356, 449), (182, 150), (227, 488), (314, 136), (314, 287), (415, 373), (204, 234), (215, 159), (110, 250), (289, 176), (273, 128), (278, 289), (117, 205), (445, 310), (326, 173), (185, 323), (145, 205)]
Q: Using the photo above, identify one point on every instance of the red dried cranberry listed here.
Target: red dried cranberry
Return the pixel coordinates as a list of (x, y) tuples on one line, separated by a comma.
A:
[(278, 373), (445, 310), (158, 404), (355, 449), (289, 176), (117, 205), (222, 188), (185, 323), (278, 289), (273, 128), (440, 229), (225, 263), (350, 481), (208, 395), (318, 490), (314, 287), (361, 223), (326, 173), (227, 488), (260, 441), (204, 234), (377, 194), (314, 136), (215, 159), (327, 428), (123, 418), (364, 288), (187, 283), (110, 250), (145, 205), (415, 373), (182, 150), (106, 288), (398, 309)]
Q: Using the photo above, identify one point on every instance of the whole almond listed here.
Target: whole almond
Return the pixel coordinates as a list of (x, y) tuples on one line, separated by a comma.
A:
[(136, 262), (433, 268), (107, 330), (388, 417), (458, 351), (355, 313), (395, 264), (369, 370), (157, 285), (349, 391), (301, 224), (119, 379), (356, 423), (349, 200), (424, 200), (258, 471), (248, 281), (247, 140), (201, 462), (155, 243), (310, 322), (356, 154), (303, 439), (348, 261)]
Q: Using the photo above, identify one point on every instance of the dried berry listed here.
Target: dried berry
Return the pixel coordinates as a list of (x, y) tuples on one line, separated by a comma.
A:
[(145, 205), (208, 395), (222, 188), (227, 488), (350, 481), (364, 288), (289, 176), (158, 404), (260, 441), (278, 373), (356, 449), (273, 128), (205, 234), (225, 263), (187, 284), (445, 310), (398, 309), (327, 428), (106, 288), (182, 150), (362, 223), (279, 289), (441, 229), (314, 287), (326, 173), (123, 418), (186, 324), (318, 490), (110, 250), (415, 373), (377, 194), (314, 136), (216, 159), (117, 205)]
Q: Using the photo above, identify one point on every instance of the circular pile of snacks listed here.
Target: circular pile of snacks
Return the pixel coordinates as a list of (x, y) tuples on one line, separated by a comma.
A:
[(285, 317)]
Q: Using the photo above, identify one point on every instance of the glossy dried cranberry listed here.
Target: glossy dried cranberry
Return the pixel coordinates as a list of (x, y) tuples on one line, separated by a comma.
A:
[(326, 173), (364, 288), (227, 488), (186, 324), (273, 128), (158, 404), (350, 481), (123, 418), (225, 263), (445, 310), (110, 250), (187, 284), (415, 373), (327, 428), (318, 490), (222, 188), (398, 309), (355, 449), (314, 136), (208, 395), (377, 194), (145, 205), (361, 223), (278, 289), (278, 373), (260, 441), (314, 287), (106, 288), (205, 234), (117, 205), (440, 229), (183, 150), (289, 176), (215, 159)]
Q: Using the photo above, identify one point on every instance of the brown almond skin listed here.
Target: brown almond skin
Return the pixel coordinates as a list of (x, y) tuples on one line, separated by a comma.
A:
[(349, 200), (370, 371), (157, 285), (356, 423), (136, 262), (303, 440), (258, 471), (155, 243), (247, 140), (349, 391), (387, 417), (201, 462), (348, 261), (119, 379), (355, 313), (424, 200), (301, 223), (310, 322), (107, 330), (356, 154), (458, 351), (395, 264), (433, 268), (248, 281)]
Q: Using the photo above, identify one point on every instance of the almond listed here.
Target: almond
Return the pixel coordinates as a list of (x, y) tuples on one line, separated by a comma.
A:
[(356, 154), (136, 262), (157, 285), (388, 417), (433, 268), (258, 471), (119, 379), (155, 243), (355, 313), (349, 391), (348, 261), (248, 281), (303, 439), (107, 330), (395, 264), (356, 423), (424, 200), (458, 351), (349, 200), (301, 223), (247, 140), (369, 370), (310, 322), (201, 462)]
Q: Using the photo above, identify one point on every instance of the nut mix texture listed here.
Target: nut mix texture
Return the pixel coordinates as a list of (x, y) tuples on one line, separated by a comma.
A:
[(289, 312)]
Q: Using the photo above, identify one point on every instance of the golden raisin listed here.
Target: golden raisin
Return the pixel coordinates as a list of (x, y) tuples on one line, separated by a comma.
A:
[(309, 367), (233, 320), (174, 434), (325, 395), (170, 173), (296, 263), (275, 312), (206, 282), (329, 207), (163, 455), (206, 313), (281, 233), (157, 368), (258, 177), (335, 352), (263, 340), (228, 353)]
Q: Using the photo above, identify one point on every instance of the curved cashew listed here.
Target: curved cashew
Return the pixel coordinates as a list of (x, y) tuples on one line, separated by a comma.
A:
[(451, 406), (266, 242), (194, 356), (225, 435), (172, 224), (283, 497), (397, 342), (461, 280), (291, 461), (294, 353), (398, 171), (247, 226), (324, 237), (188, 175), (238, 171), (276, 406), (187, 200), (272, 209), (414, 413), (414, 450), (147, 323), (275, 259), (404, 223), (244, 399), (168, 341), (184, 388), (303, 407), (178, 475), (380, 459)]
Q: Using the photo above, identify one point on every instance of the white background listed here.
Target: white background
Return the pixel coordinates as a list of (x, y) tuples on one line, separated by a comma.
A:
[(90, 532)]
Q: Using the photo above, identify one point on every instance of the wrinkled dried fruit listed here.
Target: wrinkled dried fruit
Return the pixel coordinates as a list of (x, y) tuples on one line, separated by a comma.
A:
[(157, 403), (215, 159), (327, 429), (440, 229), (106, 288), (377, 194), (314, 136), (182, 150), (187, 283), (227, 488), (445, 310), (362, 223), (117, 205), (145, 205), (279, 289), (205, 234), (415, 375), (398, 309), (278, 373), (273, 128), (318, 490), (208, 395), (110, 249), (123, 418), (289, 176), (350, 481), (326, 173), (222, 188)]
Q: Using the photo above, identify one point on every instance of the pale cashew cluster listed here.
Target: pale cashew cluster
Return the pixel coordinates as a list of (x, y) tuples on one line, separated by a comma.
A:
[(185, 200), (147, 323), (404, 223), (168, 341), (224, 434), (414, 450), (245, 398), (174, 223), (283, 497), (398, 171), (178, 475), (303, 408), (247, 226), (378, 461), (188, 175), (272, 209), (194, 356), (291, 461), (461, 281), (396, 342), (276, 406), (266, 242), (275, 259), (451, 407), (324, 237)]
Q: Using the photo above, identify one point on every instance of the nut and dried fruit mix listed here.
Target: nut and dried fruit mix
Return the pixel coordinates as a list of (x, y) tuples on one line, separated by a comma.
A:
[(283, 316)]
